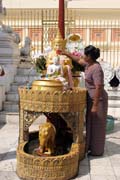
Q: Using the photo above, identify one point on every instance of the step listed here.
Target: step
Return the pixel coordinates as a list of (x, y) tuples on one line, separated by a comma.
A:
[(26, 71), (114, 103), (116, 98), (11, 106), (114, 93), (14, 86), (115, 112), (12, 96), (9, 117), (25, 79)]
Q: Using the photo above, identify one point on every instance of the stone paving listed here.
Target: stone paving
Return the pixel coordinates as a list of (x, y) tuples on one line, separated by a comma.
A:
[(91, 168)]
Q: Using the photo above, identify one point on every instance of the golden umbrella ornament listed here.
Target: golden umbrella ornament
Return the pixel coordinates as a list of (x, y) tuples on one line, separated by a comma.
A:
[(74, 37)]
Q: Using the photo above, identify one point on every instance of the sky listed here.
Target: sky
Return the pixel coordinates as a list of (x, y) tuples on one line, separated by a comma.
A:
[(54, 3)]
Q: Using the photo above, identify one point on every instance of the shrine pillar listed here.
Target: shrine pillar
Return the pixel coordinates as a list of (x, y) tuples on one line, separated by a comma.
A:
[(61, 18)]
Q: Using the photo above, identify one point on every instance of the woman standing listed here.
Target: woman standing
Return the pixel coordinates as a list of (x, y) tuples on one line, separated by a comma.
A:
[(97, 100)]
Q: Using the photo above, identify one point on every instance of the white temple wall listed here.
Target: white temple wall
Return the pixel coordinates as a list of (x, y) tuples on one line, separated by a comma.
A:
[(9, 60), (7, 79)]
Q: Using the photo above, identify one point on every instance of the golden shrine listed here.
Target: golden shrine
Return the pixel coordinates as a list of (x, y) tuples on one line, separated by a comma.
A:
[(54, 151), (65, 110)]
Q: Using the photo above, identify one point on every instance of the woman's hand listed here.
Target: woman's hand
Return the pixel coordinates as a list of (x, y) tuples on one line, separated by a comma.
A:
[(77, 59), (65, 53), (94, 109)]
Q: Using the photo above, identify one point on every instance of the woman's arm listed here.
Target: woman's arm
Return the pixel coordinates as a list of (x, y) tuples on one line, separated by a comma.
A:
[(78, 59), (97, 95), (98, 81)]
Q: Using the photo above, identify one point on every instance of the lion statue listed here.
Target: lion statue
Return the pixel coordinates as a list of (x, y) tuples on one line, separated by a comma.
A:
[(47, 134)]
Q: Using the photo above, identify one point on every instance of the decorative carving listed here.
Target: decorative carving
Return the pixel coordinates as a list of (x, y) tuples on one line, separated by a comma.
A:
[(62, 106), (53, 167), (29, 118), (59, 101)]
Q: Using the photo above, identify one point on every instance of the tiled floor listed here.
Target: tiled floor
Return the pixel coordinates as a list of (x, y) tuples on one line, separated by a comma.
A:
[(91, 168)]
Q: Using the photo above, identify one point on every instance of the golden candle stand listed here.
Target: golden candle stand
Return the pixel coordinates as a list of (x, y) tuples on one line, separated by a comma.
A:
[(67, 106)]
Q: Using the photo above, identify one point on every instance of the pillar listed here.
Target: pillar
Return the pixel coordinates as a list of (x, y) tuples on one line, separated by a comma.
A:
[(61, 18)]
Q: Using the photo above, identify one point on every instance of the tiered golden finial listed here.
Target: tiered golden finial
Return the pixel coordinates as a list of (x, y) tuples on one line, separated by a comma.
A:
[(59, 40)]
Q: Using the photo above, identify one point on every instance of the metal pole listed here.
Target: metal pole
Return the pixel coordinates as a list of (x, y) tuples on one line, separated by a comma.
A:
[(61, 18), (42, 31)]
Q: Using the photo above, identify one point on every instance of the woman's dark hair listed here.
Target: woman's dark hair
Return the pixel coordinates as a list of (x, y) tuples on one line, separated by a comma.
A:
[(92, 51)]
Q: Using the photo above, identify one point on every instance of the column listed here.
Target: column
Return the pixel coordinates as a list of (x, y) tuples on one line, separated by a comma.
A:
[(61, 18)]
